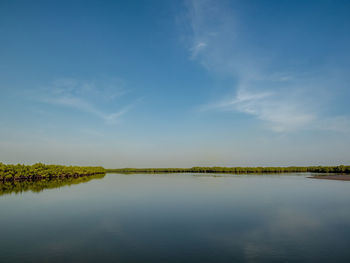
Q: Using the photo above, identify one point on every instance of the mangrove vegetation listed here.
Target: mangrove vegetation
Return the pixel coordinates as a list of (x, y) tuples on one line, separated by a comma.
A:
[(239, 170), (10, 172), (38, 171)]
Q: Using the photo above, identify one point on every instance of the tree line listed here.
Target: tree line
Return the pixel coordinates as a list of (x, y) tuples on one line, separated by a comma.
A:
[(40, 171), (238, 170)]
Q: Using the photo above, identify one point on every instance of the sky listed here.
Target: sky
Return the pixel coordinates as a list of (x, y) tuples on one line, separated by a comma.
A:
[(175, 83)]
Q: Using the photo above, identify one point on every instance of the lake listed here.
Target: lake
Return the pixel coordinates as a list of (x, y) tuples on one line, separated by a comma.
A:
[(179, 218)]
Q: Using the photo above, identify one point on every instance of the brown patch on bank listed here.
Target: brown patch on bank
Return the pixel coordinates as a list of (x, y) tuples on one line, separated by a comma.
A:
[(341, 177)]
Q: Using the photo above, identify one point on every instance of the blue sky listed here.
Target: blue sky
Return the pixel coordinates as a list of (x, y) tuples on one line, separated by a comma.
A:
[(175, 83)]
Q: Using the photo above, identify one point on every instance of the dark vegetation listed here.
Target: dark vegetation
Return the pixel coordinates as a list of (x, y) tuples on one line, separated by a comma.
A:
[(238, 170), (10, 172), (20, 172), (15, 186)]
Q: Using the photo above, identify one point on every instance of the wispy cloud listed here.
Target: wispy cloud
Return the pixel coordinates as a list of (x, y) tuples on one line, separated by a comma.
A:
[(198, 48), (283, 100), (85, 97), (279, 115)]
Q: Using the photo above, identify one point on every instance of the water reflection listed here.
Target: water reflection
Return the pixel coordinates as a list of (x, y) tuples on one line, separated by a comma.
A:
[(36, 186), (180, 218)]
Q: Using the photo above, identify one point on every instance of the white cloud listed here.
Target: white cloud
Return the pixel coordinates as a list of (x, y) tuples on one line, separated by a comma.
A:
[(84, 97), (280, 115), (283, 101)]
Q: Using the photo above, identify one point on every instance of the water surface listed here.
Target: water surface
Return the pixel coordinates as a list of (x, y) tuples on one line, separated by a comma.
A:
[(179, 218)]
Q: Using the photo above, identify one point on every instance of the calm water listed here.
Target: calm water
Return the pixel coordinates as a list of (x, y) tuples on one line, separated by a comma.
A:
[(179, 218)]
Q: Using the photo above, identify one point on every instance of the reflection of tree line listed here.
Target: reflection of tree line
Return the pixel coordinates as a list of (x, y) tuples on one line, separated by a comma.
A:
[(19, 186), (42, 171), (238, 170)]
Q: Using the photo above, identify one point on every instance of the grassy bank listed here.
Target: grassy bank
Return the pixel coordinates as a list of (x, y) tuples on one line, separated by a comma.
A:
[(12, 172), (238, 170), (9, 172)]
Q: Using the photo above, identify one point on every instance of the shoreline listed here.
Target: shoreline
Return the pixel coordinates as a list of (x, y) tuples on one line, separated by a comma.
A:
[(38, 178), (340, 169)]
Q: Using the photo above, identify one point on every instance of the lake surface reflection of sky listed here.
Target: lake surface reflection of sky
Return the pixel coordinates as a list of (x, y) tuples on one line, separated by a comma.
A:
[(179, 218)]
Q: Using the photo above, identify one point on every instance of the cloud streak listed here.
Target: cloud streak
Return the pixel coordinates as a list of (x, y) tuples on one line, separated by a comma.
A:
[(77, 95), (279, 116), (285, 101)]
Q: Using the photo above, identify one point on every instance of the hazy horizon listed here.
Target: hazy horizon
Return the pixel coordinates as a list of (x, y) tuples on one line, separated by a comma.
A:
[(175, 83)]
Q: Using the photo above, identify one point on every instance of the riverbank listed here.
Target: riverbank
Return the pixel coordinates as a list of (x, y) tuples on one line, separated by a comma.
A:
[(20, 172), (38, 171), (37, 178), (340, 169)]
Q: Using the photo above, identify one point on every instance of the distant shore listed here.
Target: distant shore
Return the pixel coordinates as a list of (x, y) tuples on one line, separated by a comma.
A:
[(20, 172), (340, 169)]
